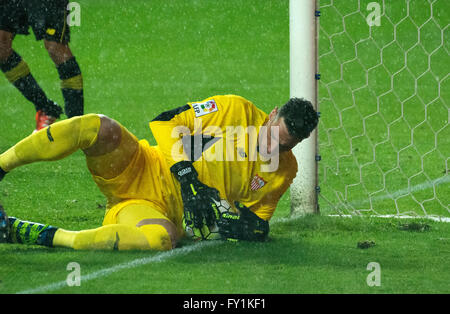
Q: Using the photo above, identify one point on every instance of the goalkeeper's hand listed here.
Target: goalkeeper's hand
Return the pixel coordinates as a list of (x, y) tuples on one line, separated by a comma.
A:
[(2, 173), (246, 226), (200, 210)]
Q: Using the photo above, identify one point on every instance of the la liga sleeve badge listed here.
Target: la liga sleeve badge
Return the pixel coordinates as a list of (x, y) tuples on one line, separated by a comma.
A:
[(203, 108)]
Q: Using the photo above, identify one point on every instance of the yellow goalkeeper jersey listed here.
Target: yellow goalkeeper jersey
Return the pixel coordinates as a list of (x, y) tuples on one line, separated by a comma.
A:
[(219, 134)]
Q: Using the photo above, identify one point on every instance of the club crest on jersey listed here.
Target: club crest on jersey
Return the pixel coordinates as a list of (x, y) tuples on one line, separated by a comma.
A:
[(257, 183), (202, 108)]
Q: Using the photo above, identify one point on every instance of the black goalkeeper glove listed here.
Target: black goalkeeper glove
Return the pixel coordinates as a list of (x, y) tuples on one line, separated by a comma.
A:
[(2, 173), (200, 210), (246, 226)]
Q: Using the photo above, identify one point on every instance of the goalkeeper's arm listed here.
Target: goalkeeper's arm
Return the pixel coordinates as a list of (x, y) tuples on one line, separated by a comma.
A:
[(245, 226)]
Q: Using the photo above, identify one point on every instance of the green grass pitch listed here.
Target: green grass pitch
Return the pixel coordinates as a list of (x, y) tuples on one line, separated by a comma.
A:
[(140, 58)]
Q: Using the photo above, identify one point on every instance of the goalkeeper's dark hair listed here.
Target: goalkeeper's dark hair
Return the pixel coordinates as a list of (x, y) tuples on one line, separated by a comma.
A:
[(299, 116)]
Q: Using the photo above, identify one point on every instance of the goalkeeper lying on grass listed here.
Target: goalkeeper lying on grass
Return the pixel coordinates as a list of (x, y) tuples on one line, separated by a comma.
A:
[(220, 148)]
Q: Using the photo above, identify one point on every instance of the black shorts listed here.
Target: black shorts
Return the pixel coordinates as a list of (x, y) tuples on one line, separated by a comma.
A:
[(47, 18)]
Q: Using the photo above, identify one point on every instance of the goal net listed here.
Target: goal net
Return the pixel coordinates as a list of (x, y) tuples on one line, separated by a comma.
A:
[(383, 95)]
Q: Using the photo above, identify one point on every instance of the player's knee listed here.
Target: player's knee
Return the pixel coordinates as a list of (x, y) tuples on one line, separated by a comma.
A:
[(5, 46), (58, 52), (88, 127), (148, 237), (108, 137), (4, 53), (159, 237)]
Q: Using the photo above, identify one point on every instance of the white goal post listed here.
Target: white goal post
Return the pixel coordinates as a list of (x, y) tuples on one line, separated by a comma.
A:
[(303, 84)]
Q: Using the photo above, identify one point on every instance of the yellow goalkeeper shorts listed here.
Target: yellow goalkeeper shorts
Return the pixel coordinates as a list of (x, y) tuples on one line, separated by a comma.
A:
[(145, 179)]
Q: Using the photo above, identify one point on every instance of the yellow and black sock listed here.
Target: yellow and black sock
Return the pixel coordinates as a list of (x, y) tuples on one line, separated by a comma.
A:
[(18, 73), (72, 87)]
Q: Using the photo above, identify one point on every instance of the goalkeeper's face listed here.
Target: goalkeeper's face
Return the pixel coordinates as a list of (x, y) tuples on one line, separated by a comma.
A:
[(275, 137)]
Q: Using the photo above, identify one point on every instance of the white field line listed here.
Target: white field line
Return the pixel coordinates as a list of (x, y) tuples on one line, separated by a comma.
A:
[(414, 188), (403, 192), (398, 193), (160, 257), (438, 219)]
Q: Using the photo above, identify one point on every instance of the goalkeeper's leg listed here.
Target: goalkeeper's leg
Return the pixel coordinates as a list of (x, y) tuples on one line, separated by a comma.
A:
[(54, 142), (137, 227), (101, 138)]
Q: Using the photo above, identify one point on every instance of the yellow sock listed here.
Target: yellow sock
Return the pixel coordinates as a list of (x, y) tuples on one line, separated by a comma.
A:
[(109, 237), (54, 142), (64, 238), (115, 237)]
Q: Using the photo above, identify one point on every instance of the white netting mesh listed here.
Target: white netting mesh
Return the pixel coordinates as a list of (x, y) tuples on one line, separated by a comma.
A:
[(383, 94)]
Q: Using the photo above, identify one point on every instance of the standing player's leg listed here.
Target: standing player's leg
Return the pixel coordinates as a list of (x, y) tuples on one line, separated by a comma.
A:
[(56, 35), (70, 75), (18, 74), (14, 20)]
